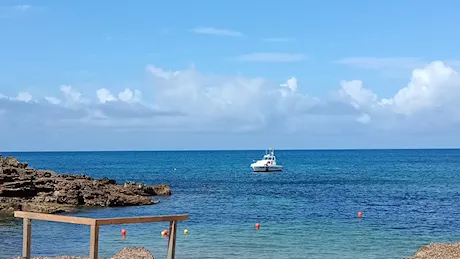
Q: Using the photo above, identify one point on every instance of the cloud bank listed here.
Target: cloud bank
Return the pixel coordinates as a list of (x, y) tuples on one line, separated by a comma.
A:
[(189, 101)]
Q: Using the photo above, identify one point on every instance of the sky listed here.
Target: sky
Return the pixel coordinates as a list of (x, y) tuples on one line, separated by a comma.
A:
[(180, 75)]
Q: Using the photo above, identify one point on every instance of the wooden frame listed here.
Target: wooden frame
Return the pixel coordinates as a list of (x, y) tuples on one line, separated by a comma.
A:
[(94, 227)]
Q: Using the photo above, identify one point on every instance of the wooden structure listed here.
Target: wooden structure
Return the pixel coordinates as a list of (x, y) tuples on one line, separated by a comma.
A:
[(94, 225)]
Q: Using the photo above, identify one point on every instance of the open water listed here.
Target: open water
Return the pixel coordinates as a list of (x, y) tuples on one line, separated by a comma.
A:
[(409, 198)]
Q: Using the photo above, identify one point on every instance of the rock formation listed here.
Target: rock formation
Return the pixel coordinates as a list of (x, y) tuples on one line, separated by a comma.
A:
[(45, 191)]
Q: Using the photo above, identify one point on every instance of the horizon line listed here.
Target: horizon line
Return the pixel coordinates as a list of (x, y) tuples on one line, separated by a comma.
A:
[(225, 150)]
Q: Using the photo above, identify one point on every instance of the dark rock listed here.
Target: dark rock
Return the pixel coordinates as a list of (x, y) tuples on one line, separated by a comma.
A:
[(48, 192)]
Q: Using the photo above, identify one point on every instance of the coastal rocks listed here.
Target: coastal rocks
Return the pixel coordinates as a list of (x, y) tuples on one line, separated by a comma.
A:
[(438, 251), (48, 192)]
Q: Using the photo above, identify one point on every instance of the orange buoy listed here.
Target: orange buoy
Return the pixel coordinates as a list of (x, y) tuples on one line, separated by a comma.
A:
[(257, 225), (360, 214)]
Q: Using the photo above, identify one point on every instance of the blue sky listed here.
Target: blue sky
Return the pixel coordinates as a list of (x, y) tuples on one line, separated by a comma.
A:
[(104, 75)]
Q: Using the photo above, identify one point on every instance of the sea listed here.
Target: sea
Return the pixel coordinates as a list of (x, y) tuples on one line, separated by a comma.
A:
[(409, 198)]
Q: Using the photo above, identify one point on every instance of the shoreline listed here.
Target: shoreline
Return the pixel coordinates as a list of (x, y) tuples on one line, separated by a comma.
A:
[(430, 251)]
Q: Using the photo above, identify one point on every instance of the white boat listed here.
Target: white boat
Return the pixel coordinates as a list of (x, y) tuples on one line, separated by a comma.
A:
[(267, 164)]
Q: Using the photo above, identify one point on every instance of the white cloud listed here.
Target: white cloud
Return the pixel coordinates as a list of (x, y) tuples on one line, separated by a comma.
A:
[(129, 96), (187, 100), (272, 57), (24, 96), (72, 96), (430, 99), (354, 92), (216, 31), (104, 95), (53, 100), (291, 84), (434, 86)]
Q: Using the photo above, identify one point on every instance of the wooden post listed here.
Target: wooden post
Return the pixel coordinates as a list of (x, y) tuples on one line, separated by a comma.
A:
[(172, 239), (26, 238), (94, 242)]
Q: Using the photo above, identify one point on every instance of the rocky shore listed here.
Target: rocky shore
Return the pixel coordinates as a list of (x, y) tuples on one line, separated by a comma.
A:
[(44, 191)]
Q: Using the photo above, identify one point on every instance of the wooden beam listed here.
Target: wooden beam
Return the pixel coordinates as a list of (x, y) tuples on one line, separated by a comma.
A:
[(94, 242), (26, 238), (55, 218), (172, 239), (135, 220)]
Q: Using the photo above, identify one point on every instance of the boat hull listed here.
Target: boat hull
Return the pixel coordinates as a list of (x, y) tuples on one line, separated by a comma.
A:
[(269, 168)]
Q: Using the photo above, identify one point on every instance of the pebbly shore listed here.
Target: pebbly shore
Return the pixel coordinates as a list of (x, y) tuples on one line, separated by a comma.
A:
[(125, 253), (438, 251)]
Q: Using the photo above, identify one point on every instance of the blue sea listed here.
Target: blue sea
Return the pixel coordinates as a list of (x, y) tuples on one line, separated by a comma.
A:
[(409, 198)]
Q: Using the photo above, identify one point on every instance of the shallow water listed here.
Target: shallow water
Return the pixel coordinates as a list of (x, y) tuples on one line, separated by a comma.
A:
[(409, 198)]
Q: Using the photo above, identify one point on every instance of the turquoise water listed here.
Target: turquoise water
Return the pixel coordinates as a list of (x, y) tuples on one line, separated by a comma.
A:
[(409, 198)]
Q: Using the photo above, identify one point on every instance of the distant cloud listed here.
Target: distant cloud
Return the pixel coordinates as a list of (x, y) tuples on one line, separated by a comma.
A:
[(278, 39), (217, 32), (272, 57), (187, 100)]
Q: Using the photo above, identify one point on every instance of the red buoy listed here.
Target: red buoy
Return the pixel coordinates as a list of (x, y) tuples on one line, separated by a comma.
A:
[(257, 225), (123, 233), (360, 214)]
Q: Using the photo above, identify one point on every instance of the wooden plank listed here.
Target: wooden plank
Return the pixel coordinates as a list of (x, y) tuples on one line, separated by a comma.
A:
[(26, 238), (135, 220), (55, 218), (172, 239), (94, 242)]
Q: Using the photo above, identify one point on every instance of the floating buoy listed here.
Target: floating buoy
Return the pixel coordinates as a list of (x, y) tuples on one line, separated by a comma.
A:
[(360, 214), (257, 225), (123, 232), (164, 232), (185, 232)]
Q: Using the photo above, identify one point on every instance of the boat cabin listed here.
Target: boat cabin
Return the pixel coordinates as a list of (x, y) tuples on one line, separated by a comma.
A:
[(269, 157)]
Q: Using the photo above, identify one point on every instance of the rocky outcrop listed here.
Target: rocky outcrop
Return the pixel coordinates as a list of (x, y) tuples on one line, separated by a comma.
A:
[(48, 192)]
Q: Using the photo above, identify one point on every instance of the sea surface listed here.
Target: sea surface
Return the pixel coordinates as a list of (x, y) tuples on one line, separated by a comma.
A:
[(409, 198)]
